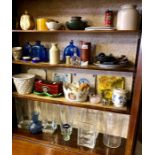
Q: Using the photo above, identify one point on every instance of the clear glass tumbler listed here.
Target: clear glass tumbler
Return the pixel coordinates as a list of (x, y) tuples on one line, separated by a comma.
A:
[(87, 135), (113, 130)]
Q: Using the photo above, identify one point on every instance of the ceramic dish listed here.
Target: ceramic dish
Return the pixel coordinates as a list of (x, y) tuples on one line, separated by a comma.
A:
[(107, 66), (47, 94), (98, 28)]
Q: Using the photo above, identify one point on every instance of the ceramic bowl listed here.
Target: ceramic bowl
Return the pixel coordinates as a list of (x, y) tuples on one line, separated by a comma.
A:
[(75, 93), (76, 25), (51, 25), (17, 53)]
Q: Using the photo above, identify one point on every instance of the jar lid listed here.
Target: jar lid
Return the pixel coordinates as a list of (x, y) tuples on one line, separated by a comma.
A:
[(120, 90), (128, 6)]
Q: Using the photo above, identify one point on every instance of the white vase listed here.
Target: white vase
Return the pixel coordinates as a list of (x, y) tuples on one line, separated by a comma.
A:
[(54, 54), (127, 18)]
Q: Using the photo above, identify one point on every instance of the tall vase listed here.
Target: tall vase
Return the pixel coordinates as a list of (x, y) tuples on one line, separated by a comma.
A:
[(54, 54)]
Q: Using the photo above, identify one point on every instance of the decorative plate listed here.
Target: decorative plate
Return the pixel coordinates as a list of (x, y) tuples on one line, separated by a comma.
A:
[(47, 94)]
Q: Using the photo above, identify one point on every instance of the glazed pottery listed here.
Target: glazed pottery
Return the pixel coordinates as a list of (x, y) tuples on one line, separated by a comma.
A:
[(119, 97), (17, 53), (52, 25), (76, 24), (41, 24), (127, 18), (54, 54), (27, 21)]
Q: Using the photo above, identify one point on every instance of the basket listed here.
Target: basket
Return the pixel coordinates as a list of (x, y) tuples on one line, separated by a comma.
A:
[(23, 83)]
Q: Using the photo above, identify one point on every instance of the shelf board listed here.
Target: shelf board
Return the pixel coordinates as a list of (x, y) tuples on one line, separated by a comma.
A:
[(63, 101), (90, 67), (56, 142), (77, 31)]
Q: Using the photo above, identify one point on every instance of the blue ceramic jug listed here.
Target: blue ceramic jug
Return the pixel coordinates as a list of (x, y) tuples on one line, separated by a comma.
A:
[(39, 52), (36, 125), (70, 50)]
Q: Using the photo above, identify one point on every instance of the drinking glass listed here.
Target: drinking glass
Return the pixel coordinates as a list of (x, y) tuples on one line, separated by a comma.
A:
[(113, 130), (87, 135), (66, 116)]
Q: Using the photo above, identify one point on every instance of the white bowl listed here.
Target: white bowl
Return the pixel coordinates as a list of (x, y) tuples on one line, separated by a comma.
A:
[(53, 25), (17, 53), (23, 83)]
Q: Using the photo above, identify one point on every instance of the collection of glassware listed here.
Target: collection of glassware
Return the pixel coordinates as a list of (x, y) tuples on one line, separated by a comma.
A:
[(40, 117)]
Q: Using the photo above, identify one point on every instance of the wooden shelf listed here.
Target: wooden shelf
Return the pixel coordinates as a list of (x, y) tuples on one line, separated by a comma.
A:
[(63, 101), (90, 67), (56, 142), (77, 31)]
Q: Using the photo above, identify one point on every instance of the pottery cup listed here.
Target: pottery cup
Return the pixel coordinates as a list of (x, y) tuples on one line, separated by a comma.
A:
[(17, 53)]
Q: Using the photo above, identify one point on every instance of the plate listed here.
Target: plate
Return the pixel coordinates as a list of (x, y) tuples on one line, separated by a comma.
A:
[(106, 66), (47, 94), (99, 28)]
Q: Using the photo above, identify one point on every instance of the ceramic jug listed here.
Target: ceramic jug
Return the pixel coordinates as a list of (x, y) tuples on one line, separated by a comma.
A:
[(127, 18), (27, 22), (54, 54)]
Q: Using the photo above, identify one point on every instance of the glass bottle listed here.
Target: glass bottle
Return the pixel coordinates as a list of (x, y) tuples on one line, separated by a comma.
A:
[(27, 47), (75, 60), (70, 50)]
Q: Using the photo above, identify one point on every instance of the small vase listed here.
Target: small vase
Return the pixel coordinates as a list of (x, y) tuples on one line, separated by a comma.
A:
[(36, 125), (54, 54)]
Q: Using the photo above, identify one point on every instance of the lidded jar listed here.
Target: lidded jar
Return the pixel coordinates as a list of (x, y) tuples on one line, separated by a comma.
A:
[(27, 21), (119, 97), (54, 54), (127, 17)]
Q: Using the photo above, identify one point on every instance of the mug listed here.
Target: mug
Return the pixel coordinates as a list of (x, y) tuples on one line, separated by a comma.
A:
[(41, 24)]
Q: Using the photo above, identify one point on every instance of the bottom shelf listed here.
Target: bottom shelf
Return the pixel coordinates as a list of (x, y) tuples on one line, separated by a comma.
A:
[(60, 147)]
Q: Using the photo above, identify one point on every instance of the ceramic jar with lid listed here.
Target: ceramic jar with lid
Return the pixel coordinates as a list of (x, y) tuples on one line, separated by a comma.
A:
[(27, 21), (54, 54), (119, 97), (127, 18)]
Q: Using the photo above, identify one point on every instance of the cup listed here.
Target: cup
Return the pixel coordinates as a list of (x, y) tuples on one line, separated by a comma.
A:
[(66, 116), (17, 53), (41, 24), (113, 130)]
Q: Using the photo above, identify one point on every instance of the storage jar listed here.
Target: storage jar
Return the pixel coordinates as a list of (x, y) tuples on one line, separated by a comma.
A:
[(119, 97), (127, 17), (54, 54)]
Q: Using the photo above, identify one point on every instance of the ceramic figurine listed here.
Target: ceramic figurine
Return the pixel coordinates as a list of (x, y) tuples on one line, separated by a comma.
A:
[(36, 125), (27, 22)]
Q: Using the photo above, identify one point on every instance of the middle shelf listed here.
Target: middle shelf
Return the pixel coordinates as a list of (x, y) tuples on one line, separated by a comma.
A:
[(63, 101), (90, 67)]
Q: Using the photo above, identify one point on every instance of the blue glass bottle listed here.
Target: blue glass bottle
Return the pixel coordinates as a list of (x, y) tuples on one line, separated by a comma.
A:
[(39, 52), (27, 47), (70, 50), (36, 125)]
